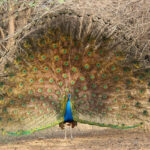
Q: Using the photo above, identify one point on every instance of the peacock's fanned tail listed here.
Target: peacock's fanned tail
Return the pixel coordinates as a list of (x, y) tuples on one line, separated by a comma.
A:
[(106, 88)]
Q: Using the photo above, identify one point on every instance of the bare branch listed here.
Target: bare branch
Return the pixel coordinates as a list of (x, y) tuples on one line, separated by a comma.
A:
[(2, 33), (11, 27)]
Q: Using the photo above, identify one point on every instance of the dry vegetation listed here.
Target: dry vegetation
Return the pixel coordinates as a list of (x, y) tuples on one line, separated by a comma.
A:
[(130, 18)]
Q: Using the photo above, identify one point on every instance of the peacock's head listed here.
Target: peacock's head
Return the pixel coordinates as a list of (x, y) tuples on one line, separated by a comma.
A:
[(69, 96)]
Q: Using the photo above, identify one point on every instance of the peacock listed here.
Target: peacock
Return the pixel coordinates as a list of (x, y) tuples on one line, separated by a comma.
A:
[(56, 79), (68, 118)]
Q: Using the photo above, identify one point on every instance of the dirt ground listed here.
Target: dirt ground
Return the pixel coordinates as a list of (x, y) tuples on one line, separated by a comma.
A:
[(85, 138)]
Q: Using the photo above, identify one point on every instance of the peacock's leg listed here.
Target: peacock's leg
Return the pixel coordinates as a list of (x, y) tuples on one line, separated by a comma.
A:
[(71, 132), (65, 134)]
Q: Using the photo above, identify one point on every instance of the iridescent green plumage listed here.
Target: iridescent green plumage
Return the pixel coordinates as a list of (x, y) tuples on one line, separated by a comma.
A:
[(107, 89)]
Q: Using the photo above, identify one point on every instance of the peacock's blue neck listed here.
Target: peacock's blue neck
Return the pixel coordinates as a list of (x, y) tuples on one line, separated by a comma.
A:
[(68, 113)]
